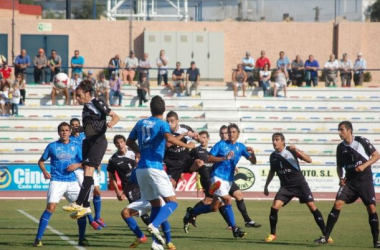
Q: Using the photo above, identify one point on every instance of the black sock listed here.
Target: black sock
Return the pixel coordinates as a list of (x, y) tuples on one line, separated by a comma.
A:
[(273, 220), (243, 210), (145, 218), (204, 172), (332, 219), (84, 194), (374, 223), (319, 220), (222, 211)]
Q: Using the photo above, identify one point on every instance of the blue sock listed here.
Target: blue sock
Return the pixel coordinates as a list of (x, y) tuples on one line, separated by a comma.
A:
[(204, 209), (164, 213), (230, 215), (132, 224), (153, 213), (97, 206), (44, 221), (82, 223), (165, 226), (90, 218)]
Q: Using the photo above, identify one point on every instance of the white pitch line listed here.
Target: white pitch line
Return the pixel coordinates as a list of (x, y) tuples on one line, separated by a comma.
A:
[(61, 235)]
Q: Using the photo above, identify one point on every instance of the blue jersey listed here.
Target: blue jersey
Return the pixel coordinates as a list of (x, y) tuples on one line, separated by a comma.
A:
[(150, 135), (133, 177), (226, 169), (61, 156), (78, 139)]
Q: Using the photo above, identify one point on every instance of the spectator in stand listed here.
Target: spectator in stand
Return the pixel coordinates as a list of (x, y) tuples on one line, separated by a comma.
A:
[(21, 62), (298, 71), (284, 60), (192, 79), (130, 65), (345, 68), (238, 80), (40, 62), (90, 76), (114, 65), (144, 66), (178, 78), (22, 85), (2, 60), (359, 66), (264, 78), (115, 89), (54, 63), (331, 71), (77, 63), (142, 89), (74, 83), (5, 73), (311, 70), (162, 64), (55, 92), (102, 88), (4, 99), (248, 65), (281, 78), (262, 61), (15, 98)]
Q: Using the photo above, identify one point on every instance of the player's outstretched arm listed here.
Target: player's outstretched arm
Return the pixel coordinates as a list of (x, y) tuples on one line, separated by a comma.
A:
[(41, 164), (269, 179), (175, 141), (300, 154), (115, 119), (215, 159)]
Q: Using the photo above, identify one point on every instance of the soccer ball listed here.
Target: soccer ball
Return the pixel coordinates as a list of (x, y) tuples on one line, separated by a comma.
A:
[(61, 81)]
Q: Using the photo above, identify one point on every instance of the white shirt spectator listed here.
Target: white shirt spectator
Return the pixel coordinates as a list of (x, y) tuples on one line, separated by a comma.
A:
[(345, 64), (332, 65), (16, 96), (251, 61), (74, 83), (163, 67), (102, 85), (131, 62)]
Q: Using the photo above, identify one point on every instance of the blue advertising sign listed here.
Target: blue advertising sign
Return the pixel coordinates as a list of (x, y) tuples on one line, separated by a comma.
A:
[(24, 177)]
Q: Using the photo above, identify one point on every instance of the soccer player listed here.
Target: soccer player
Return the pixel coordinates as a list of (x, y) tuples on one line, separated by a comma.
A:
[(77, 136), (355, 154), (63, 154), (177, 159), (152, 134), (284, 162), (95, 125), (225, 155)]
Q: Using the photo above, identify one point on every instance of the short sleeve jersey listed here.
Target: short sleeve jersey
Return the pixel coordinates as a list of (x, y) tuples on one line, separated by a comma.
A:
[(94, 116), (193, 74), (286, 165), (179, 72), (202, 154), (79, 60), (55, 61), (150, 134), (6, 72), (351, 156), (61, 156), (123, 165), (176, 152), (226, 169), (78, 139)]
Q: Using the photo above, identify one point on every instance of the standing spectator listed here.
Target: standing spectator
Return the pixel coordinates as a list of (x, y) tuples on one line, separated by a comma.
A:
[(22, 85), (74, 83), (102, 88), (114, 65), (238, 79), (142, 89), (144, 66), (77, 63), (264, 78), (54, 63), (298, 71), (331, 71), (40, 62), (345, 68), (162, 62), (311, 67), (21, 62), (178, 78), (281, 76), (115, 89), (5, 73), (4, 99), (15, 98), (260, 63), (130, 65), (359, 66), (192, 79), (248, 65), (284, 60)]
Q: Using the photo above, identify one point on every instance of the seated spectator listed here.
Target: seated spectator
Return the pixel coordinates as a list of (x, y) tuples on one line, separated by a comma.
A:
[(55, 92), (162, 64), (3, 59), (15, 99), (142, 89), (281, 78), (249, 65), (359, 66), (5, 103), (284, 60), (311, 71), (178, 78), (238, 80), (115, 89), (331, 71), (264, 78), (129, 68), (5, 73), (102, 88), (192, 79), (74, 83), (345, 69), (40, 62), (54, 63), (22, 85), (298, 71), (260, 63), (90, 76), (114, 65), (144, 66), (21, 63)]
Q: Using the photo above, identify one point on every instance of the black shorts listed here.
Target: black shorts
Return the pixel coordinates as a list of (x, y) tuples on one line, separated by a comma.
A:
[(234, 187), (132, 192), (175, 168), (93, 150), (302, 192), (206, 182), (351, 192)]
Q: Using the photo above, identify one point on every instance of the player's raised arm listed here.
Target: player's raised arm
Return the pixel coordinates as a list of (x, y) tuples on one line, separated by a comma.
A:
[(300, 154), (175, 141)]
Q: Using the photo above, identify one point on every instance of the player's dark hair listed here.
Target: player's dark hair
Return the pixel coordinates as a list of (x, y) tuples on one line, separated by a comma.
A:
[(347, 124), (74, 120), (62, 124), (86, 86), (223, 127), (117, 137), (172, 114), (157, 106), (204, 132), (281, 135), (233, 125)]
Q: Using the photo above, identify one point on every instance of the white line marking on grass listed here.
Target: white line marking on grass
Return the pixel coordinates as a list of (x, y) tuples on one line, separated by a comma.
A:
[(61, 235)]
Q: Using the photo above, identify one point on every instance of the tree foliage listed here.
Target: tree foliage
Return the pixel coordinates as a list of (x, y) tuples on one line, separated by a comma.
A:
[(375, 11), (86, 10)]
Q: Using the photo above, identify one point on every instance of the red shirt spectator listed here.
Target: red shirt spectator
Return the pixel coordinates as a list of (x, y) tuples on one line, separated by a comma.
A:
[(262, 61), (5, 71)]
